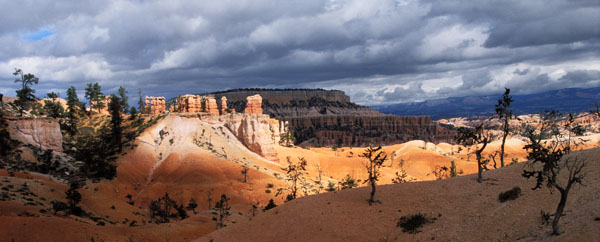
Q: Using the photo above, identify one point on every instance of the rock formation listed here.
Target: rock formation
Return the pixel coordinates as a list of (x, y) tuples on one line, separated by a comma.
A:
[(40, 132), (363, 131), (253, 104), (155, 105), (211, 105), (257, 132), (223, 105)]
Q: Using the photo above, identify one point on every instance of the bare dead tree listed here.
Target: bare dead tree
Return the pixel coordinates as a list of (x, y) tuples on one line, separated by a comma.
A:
[(245, 173), (376, 157), (549, 154)]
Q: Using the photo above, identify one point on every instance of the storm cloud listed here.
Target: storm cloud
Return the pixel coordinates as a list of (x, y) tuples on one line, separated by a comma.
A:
[(379, 51)]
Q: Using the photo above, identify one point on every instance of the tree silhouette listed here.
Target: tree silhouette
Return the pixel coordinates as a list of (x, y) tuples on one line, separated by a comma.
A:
[(376, 157), (221, 211), (71, 117), (73, 197), (549, 154), (114, 108), (124, 99), (25, 95), (469, 136), (192, 205), (505, 114), (141, 104), (245, 173)]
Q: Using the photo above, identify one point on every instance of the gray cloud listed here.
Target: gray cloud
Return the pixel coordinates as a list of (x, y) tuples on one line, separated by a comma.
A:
[(377, 51)]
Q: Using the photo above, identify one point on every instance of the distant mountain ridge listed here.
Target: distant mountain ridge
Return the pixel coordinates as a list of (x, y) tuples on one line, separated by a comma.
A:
[(563, 100)]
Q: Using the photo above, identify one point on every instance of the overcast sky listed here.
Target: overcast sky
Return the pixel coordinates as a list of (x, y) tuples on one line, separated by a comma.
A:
[(377, 51)]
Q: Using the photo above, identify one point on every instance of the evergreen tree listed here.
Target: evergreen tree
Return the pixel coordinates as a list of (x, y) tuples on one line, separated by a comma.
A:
[(114, 108), (51, 107), (124, 99), (93, 92), (25, 95), (141, 104), (74, 197), (70, 123)]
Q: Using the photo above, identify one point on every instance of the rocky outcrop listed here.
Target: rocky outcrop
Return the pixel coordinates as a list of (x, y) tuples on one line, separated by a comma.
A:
[(211, 105), (253, 105), (155, 105), (257, 132), (224, 108), (363, 131), (40, 132)]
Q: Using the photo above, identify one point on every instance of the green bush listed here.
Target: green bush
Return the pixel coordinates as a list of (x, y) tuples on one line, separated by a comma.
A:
[(511, 194)]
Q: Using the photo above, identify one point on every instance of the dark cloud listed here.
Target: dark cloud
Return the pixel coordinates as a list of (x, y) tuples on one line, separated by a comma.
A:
[(378, 51)]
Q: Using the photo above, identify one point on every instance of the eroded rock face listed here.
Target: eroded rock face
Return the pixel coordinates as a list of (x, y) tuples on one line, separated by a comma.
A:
[(253, 104), (40, 132), (211, 105), (362, 131), (155, 105), (257, 132)]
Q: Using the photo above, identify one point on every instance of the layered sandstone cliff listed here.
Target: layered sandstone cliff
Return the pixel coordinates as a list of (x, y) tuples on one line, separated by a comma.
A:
[(363, 131), (40, 132)]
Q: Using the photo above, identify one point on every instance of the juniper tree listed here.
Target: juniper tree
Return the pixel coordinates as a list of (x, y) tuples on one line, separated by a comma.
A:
[(25, 95), (376, 157), (469, 136), (505, 114), (550, 155)]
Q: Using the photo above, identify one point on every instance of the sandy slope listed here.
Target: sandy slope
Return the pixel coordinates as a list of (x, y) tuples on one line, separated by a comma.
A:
[(465, 211), (181, 162)]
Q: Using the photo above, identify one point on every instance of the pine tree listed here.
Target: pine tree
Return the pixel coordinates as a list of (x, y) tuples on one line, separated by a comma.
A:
[(93, 92), (25, 95), (469, 136), (71, 119), (124, 99)]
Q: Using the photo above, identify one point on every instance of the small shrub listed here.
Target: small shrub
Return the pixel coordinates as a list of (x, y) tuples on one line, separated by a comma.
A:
[(270, 205), (511, 194), (412, 223)]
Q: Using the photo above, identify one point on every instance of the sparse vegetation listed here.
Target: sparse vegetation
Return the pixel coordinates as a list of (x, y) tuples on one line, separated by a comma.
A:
[(376, 157), (295, 173), (549, 154), (413, 223), (468, 136), (348, 182)]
